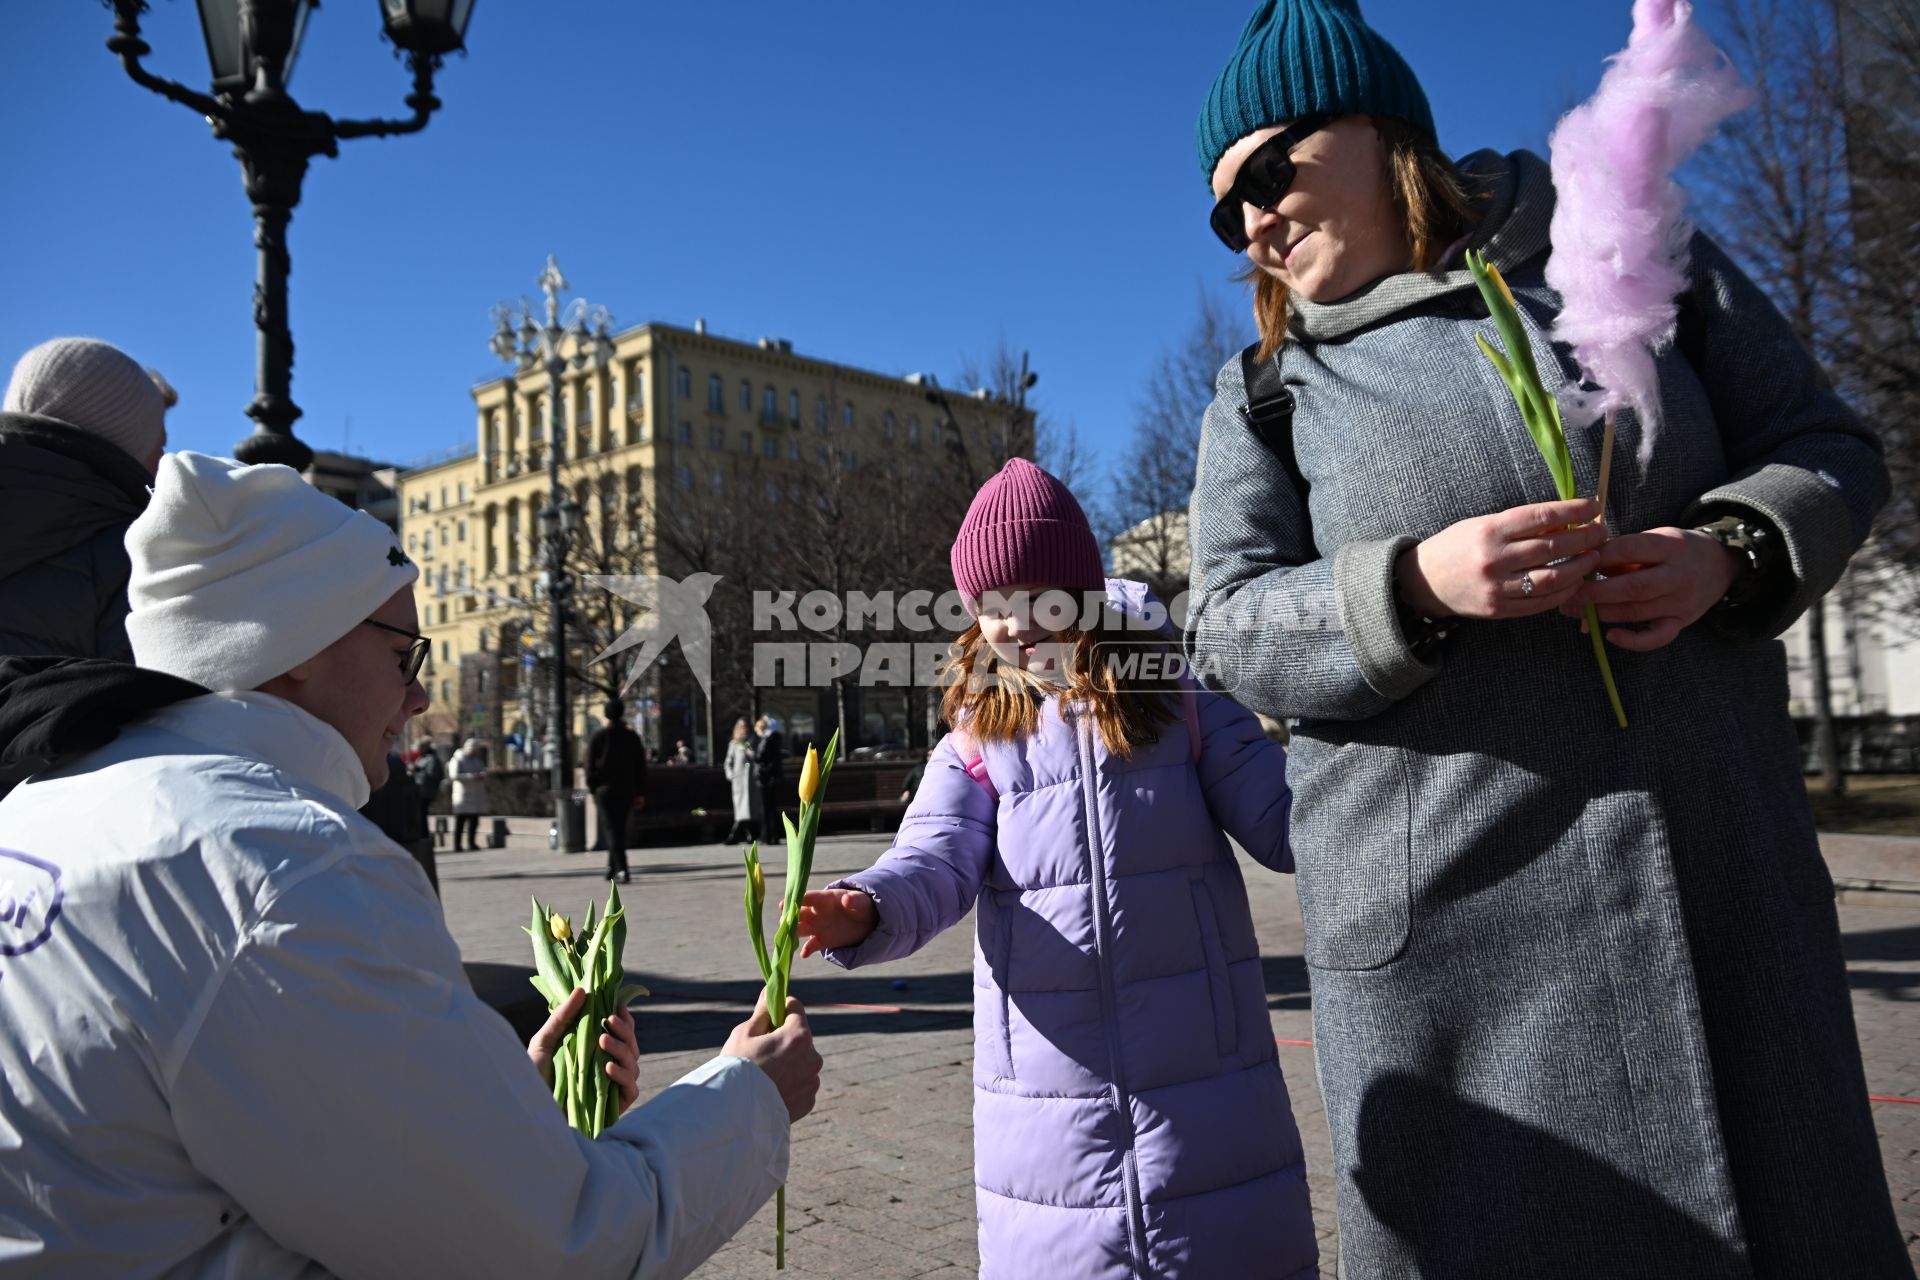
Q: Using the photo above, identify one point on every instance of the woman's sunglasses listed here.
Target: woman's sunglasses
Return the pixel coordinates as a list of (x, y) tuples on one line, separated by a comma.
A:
[(1264, 177), (416, 655)]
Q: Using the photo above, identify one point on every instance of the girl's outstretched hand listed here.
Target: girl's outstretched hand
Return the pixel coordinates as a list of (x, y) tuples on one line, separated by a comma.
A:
[(835, 918)]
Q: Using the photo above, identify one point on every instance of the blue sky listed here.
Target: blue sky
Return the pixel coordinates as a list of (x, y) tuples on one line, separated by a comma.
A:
[(894, 186)]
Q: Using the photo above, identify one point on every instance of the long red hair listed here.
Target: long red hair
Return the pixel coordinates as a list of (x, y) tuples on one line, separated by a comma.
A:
[(1000, 702)]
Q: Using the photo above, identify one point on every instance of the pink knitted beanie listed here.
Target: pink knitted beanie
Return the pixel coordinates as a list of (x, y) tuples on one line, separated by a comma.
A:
[(1024, 528)]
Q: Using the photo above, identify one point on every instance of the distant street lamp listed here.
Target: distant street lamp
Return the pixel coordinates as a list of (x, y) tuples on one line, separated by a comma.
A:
[(526, 343), (251, 45)]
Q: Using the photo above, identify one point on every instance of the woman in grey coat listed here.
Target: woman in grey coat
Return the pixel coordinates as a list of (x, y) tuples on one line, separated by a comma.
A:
[(1579, 1001)]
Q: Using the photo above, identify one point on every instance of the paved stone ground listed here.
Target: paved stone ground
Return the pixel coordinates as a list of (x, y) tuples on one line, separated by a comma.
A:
[(882, 1171)]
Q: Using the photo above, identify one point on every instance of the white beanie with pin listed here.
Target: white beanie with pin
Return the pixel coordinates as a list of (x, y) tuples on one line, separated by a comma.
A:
[(242, 573)]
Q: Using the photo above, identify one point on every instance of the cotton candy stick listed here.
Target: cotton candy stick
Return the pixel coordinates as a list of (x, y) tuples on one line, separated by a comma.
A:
[(1620, 232)]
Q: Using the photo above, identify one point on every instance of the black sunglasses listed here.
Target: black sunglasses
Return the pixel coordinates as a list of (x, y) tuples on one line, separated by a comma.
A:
[(1264, 177), (416, 654)]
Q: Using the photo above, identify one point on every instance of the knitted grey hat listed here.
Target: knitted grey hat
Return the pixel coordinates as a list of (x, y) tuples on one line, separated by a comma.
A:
[(91, 387)]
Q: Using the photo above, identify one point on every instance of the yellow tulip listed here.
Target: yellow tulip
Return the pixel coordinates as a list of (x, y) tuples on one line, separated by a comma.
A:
[(559, 928), (1502, 282), (810, 777)]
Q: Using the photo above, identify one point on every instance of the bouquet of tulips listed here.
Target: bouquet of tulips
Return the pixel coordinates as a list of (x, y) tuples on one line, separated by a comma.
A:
[(1542, 414), (776, 969), (590, 959)]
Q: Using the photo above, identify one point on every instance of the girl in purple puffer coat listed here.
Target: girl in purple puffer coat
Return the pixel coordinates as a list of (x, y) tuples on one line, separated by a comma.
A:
[(1130, 1119)]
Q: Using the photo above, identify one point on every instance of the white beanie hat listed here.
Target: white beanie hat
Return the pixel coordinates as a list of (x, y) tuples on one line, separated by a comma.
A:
[(93, 387), (242, 573)]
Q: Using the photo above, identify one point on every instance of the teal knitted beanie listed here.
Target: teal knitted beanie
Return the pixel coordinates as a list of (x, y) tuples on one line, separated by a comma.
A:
[(1301, 56)]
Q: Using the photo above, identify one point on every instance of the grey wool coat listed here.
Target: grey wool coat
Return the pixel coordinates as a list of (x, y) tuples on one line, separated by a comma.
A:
[(1579, 1002)]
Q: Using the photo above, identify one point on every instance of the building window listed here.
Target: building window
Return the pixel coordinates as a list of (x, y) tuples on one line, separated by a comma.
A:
[(820, 412), (426, 543), (746, 396), (887, 426), (851, 460), (684, 433), (685, 384), (793, 406), (716, 437), (846, 416), (793, 450), (715, 396), (913, 433), (768, 399), (716, 482), (683, 476), (821, 456), (770, 447), (443, 613), (746, 443), (462, 490), (413, 543), (446, 651), (443, 495)]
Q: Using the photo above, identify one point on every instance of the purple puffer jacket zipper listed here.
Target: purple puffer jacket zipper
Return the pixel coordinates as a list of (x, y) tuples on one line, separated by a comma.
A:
[(1130, 1119)]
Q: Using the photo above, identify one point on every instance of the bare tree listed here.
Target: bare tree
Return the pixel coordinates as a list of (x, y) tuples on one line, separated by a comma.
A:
[(1776, 198), (1814, 188), (1155, 479), (1876, 89)]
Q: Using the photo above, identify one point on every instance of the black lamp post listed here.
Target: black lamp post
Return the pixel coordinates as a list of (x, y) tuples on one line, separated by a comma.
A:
[(528, 343), (251, 45)]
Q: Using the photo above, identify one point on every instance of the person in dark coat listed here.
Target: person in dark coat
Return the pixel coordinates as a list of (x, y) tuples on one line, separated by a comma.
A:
[(429, 775), (769, 767), (617, 776), (82, 430), (395, 808), (1579, 1001)]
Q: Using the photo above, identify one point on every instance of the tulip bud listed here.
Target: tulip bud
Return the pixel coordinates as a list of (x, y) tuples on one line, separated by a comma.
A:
[(559, 928), (810, 777)]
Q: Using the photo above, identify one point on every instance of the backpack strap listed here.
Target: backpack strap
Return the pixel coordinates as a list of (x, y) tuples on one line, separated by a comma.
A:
[(1269, 410), (973, 761)]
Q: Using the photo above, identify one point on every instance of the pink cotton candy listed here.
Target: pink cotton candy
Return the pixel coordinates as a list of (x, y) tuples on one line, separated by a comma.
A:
[(1620, 232)]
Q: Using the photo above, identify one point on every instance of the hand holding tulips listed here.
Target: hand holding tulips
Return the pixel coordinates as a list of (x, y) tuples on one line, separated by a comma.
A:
[(786, 1054), (618, 1042), (1667, 578), (1477, 568)]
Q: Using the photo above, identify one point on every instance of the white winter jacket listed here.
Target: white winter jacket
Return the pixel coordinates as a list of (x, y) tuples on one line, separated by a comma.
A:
[(237, 1041)]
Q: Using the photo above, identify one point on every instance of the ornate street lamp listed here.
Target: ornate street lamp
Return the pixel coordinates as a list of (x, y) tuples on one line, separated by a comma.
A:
[(251, 45), (520, 340)]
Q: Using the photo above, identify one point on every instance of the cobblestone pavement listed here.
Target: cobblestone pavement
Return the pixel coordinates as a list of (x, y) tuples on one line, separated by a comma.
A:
[(882, 1171)]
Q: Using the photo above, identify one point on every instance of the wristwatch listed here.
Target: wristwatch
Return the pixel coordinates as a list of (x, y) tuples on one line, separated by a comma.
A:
[(1754, 542), (1424, 635)]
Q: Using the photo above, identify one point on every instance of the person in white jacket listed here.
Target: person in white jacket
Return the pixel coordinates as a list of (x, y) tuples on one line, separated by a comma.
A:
[(235, 1036)]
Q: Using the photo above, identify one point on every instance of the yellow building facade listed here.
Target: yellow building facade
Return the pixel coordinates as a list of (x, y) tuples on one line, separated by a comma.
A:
[(677, 416)]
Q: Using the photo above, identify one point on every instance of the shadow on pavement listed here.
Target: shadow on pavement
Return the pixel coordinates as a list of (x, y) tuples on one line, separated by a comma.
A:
[(1883, 945), (836, 1005)]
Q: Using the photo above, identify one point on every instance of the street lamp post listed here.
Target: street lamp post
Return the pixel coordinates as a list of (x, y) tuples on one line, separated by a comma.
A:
[(251, 45), (521, 339)]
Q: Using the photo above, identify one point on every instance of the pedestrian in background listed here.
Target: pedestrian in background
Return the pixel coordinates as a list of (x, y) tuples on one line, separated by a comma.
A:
[(617, 777), (746, 795), (769, 766), (471, 794), (82, 429), (429, 775)]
